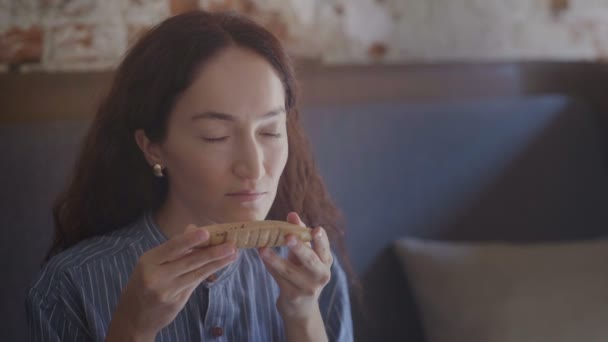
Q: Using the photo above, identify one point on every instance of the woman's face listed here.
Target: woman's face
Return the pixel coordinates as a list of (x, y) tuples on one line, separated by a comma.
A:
[(226, 144)]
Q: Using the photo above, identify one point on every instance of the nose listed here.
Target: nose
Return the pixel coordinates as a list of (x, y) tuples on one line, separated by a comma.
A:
[(249, 163)]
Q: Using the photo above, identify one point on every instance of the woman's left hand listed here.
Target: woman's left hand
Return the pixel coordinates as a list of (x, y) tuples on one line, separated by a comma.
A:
[(303, 274)]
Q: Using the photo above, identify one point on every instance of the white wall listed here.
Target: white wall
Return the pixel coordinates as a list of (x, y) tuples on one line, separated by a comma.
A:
[(93, 34)]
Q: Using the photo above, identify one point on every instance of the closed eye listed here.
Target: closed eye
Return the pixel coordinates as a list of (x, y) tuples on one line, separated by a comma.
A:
[(214, 140), (272, 135)]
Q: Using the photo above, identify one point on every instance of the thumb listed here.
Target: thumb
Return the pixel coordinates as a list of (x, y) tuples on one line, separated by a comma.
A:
[(294, 218), (190, 228)]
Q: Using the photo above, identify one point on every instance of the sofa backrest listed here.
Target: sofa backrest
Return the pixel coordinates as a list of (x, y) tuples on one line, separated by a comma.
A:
[(517, 169), (35, 159)]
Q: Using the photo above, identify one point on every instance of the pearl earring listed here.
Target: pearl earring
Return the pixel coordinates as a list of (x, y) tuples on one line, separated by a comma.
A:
[(158, 170)]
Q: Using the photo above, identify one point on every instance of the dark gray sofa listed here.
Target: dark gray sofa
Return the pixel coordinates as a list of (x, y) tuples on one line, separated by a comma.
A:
[(516, 169)]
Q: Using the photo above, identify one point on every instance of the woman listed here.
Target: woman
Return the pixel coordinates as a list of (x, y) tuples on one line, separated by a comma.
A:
[(200, 126)]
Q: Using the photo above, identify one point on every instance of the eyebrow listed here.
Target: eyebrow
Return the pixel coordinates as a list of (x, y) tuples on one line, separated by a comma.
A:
[(211, 115)]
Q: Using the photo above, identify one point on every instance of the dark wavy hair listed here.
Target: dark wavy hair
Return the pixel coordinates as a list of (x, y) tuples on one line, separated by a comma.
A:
[(112, 184)]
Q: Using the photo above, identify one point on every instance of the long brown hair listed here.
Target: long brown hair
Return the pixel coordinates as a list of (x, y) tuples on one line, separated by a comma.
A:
[(112, 184)]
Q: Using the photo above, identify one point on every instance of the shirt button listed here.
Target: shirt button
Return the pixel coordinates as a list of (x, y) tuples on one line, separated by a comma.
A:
[(212, 278), (217, 331)]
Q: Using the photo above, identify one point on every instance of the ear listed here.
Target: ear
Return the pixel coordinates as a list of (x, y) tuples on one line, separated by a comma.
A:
[(151, 151)]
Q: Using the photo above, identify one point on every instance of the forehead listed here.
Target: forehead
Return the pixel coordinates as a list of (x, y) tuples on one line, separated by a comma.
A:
[(236, 81)]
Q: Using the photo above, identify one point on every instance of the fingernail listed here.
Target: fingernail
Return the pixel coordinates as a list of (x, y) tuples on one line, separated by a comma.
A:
[(291, 242), (200, 235), (319, 235)]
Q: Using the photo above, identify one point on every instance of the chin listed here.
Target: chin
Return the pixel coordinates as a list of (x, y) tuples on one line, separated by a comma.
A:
[(249, 215)]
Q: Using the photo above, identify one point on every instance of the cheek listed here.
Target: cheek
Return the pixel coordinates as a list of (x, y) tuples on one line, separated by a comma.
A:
[(278, 159), (212, 168), (194, 165)]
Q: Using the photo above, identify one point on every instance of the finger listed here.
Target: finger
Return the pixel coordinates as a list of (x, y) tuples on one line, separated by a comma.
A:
[(294, 218), (189, 228), (183, 295), (307, 257), (278, 268), (179, 245), (296, 276), (195, 277), (293, 258), (321, 245), (197, 259), (284, 284)]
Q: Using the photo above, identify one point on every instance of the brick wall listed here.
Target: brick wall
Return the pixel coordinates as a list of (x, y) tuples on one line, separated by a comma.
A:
[(93, 34)]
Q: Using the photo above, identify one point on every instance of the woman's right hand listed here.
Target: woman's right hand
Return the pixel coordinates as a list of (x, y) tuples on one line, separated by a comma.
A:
[(161, 283)]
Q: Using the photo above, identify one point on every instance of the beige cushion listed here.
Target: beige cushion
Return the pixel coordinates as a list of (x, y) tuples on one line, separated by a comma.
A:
[(491, 292)]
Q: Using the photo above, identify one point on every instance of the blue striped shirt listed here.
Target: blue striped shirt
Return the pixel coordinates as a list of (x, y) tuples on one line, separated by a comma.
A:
[(76, 292)]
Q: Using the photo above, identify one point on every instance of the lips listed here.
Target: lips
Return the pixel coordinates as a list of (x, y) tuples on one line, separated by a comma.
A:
[(246, 192), (246, 195)]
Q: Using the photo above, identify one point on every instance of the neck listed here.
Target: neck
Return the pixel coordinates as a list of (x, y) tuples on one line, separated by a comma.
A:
[(173, 217)]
